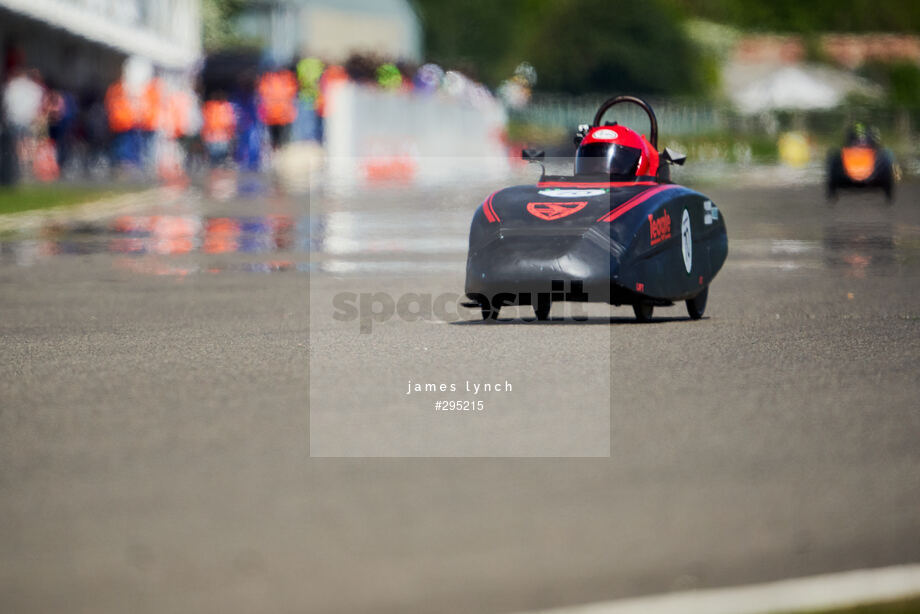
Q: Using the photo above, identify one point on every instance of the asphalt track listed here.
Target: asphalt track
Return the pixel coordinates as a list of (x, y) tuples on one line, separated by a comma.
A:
[(155, 412)]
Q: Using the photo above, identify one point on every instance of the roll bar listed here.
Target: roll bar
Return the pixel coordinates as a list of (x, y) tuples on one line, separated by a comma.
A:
[(653, 136)]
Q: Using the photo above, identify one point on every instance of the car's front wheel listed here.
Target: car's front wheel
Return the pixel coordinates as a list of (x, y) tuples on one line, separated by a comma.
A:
[(643, 311), (697, 305), (888, 187)]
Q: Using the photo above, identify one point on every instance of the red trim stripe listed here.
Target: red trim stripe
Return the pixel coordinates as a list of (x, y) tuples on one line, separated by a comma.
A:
[(489, 210), (636, 200), (592, 184)]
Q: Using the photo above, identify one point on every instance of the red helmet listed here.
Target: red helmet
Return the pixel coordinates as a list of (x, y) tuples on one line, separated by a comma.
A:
[(616, 151)]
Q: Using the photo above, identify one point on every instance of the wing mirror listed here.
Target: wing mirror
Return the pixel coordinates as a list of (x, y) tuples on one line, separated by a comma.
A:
[(533, 155), (673, 157), (580, 133), (670, 157)]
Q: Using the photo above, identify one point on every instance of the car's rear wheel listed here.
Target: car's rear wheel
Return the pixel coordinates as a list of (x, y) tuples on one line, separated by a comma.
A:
[(541, 309), (643, 311), (697, 305)]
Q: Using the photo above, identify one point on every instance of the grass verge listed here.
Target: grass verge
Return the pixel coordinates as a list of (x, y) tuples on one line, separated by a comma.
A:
[(910, 605), (42, 196)]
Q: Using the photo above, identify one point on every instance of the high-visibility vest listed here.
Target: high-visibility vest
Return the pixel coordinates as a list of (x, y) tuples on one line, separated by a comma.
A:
[(148, 116), (119, 108), (309, 70), (277, 91), (219, 121), (178, 112)]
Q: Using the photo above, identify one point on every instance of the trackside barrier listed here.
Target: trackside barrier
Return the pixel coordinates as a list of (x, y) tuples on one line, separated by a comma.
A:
[(377, 138)]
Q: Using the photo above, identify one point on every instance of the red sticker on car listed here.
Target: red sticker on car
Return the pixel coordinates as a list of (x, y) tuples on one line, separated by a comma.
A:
[(554, 211), (659, 228)]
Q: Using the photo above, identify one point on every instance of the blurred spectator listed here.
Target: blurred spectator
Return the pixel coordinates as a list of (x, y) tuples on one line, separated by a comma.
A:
[(277, 94), (133, 104), (22, 101), (94, 128), (249, 129), (9, 161), (218, 128), (149, 108), (140, 121), (389, 77), (406, 70), (23, 98), (119, 108), (362, 68), (332, 77), (306, 127), (309, 71), (428, 78), (62, 114), (182, 121), (516, 91)]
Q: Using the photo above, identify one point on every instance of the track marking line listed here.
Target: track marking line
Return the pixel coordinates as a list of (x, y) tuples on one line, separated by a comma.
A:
[(796, 594)]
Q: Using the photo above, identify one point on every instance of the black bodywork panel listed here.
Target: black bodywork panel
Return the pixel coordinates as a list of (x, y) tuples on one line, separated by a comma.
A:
[(619, 243)]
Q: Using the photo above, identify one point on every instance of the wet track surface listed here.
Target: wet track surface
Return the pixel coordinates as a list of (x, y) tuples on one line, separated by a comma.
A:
[(155, 416)]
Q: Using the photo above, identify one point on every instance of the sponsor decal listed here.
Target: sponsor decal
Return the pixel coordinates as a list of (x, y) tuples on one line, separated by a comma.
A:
[(555, 211), (604, 134), (686, 241), (659, 228), (711, 212), (558, 193)]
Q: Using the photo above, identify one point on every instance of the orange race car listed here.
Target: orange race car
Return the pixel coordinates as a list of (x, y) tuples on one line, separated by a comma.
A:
[(862, 162)]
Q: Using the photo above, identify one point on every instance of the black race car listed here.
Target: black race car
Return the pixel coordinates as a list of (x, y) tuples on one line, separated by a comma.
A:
[(617, 231), (861, 163)]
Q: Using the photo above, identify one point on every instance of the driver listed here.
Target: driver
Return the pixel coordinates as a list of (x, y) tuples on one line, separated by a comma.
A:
[(858, 135), (616, 151)]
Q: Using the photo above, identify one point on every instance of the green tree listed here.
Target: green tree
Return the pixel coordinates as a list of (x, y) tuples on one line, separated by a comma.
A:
[(476, 36), (599, 46), (810, 16), (577, 46), (217, 23)]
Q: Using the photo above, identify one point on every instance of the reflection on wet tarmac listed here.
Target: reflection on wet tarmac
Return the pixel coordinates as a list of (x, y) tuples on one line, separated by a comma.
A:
[(405, 238), (338, 242), (163, 235), (860, 247)]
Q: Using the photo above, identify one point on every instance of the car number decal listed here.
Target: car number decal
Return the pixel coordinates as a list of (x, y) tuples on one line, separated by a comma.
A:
[(686, 241)]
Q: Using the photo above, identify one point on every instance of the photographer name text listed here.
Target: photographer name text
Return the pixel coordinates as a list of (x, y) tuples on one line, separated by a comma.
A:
[(474, 388)]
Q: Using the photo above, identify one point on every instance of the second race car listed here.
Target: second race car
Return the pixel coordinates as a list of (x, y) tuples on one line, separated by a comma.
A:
[(861, 163)]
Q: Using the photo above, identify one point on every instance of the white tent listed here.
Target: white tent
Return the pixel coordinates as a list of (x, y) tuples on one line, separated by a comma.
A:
[(798, 86)]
